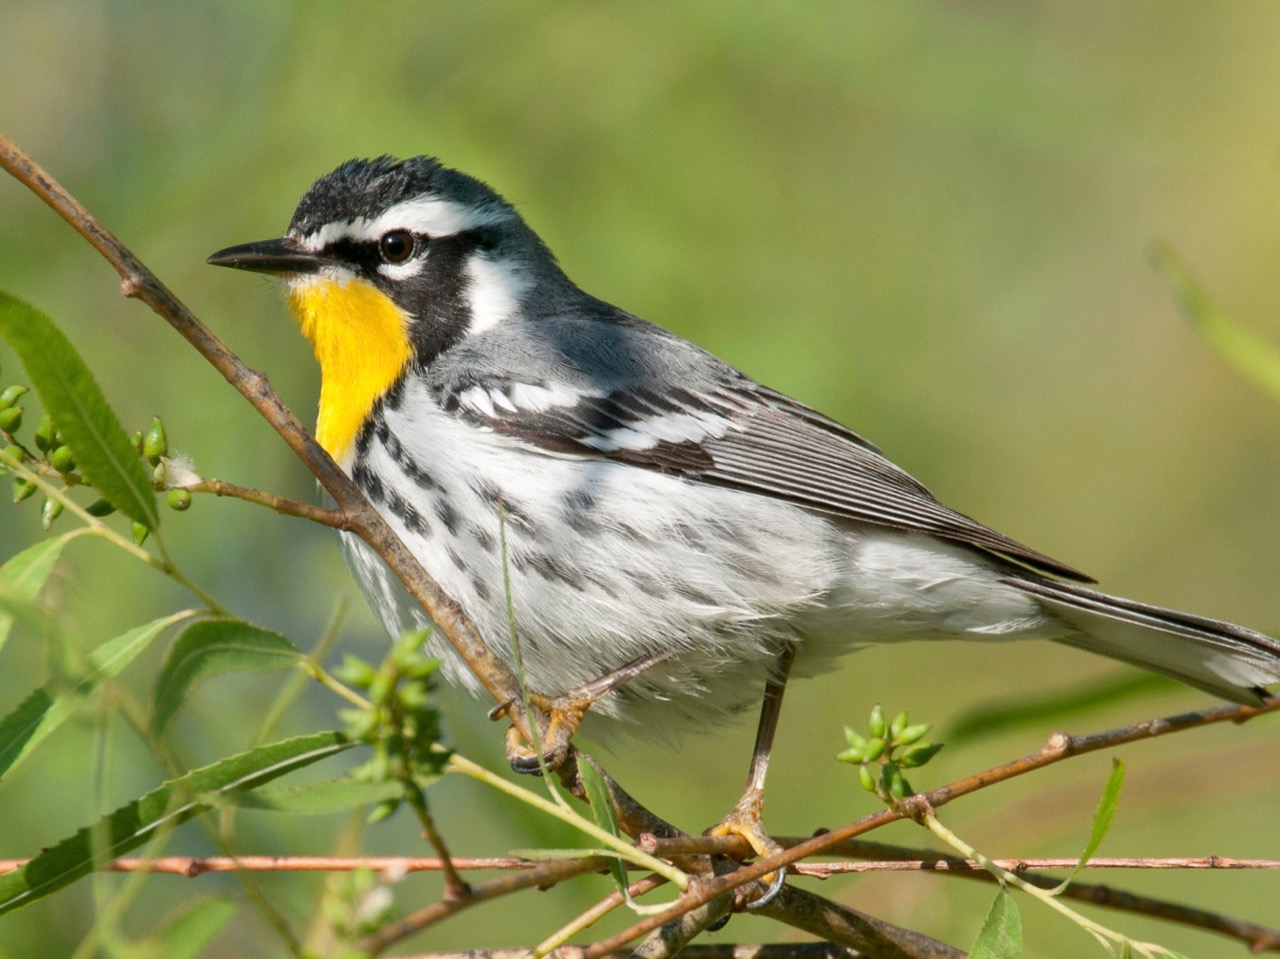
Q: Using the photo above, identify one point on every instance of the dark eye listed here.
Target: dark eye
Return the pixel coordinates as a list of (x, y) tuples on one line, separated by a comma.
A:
[(396, 246)]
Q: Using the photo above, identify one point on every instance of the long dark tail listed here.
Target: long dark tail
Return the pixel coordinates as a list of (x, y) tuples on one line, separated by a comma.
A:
[(1226, 660)]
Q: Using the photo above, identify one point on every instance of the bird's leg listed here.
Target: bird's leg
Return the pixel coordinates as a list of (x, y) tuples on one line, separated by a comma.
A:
[(744, 819), (558, 717)]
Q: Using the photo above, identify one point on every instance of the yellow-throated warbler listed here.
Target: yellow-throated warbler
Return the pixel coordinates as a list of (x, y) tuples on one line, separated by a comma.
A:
[(656, 499)]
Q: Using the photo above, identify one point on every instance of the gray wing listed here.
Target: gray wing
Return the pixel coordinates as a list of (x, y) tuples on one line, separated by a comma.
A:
[(622, 389)]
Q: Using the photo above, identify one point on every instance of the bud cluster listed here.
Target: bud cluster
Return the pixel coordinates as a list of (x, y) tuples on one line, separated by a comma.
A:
[(48, 455), (886, 750), (400, 722)]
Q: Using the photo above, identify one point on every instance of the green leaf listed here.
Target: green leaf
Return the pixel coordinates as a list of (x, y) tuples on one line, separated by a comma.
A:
[(23, 576), (164, 808), (1250, 354), (334, 795), (1040, 710), (188, 934), (213, 647), (1102, 817), (603, 812), (1001, 934), (75, 401), (50, 706), (537, 855)]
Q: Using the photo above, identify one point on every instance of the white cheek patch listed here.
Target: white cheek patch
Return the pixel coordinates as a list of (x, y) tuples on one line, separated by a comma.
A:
[(494, 291)]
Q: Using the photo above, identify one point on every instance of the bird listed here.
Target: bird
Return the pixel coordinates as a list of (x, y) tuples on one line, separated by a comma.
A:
[(643, 500)]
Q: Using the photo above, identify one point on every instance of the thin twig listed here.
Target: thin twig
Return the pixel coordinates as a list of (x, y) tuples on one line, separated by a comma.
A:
[(542, 876), (334, 518)]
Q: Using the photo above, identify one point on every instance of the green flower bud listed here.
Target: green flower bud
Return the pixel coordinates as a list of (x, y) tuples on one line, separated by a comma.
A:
[(355, 671), (155, 443), (382, 810), (160, 475), (140, 532), (136, 440), (413, 696), (358, 724), (11, 394), (179, 499), (866, 778), (875, 749), (854, 740), (899, 788), (100, 507), (15, 453), (49, 511), (898, 725), (919, 754), (62, 459), (380, 689), (851, 755), (23, 489), (876, 725), (45, 433), (912, 734), (11, 419)]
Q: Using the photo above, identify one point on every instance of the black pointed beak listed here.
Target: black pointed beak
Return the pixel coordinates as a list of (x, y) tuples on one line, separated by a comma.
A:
[(268, 256)]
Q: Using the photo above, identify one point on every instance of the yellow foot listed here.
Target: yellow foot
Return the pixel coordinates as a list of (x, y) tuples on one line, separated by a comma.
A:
[(559, 717), (744, 822)]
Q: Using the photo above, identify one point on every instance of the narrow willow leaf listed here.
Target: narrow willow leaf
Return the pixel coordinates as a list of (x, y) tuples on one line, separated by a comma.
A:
[(1001, 934), (1249, 353), (1039, 710), (164, 808), (555, 855), (50, 706), (602, 809), (1102, 817), (213, 647), (75, 401), (188, 934), (334, 795), (23, 575)]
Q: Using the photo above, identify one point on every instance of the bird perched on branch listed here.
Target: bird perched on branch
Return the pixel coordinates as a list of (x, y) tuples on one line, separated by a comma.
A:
[(658, 506)]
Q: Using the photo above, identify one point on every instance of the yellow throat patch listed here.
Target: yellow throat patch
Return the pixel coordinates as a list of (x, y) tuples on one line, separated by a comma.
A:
[(361, 341)]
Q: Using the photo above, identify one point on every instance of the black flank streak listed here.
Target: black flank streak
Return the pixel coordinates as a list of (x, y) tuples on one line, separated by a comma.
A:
[(368, 482), (484, 539), (447, 515), (407, 513), (408, 465), (456, 559)]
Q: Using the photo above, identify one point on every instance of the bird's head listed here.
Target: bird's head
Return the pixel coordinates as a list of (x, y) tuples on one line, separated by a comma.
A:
[(389, 263)]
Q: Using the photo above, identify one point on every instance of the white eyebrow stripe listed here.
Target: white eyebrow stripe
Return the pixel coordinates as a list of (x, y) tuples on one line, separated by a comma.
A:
[(431, 215)]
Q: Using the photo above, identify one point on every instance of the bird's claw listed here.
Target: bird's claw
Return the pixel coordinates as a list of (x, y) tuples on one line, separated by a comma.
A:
[(559, 717), (744, 822)]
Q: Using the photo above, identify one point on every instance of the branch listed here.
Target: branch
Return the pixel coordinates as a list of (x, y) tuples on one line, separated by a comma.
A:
[(140, 283), (334, 518), (783, 950), (1059, 747)]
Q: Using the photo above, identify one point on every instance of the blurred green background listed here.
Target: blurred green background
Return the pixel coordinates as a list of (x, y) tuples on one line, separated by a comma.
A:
[(932, 221)]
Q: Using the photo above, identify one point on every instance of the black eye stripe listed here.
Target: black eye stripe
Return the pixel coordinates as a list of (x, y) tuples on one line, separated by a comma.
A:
[(359, 253)]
